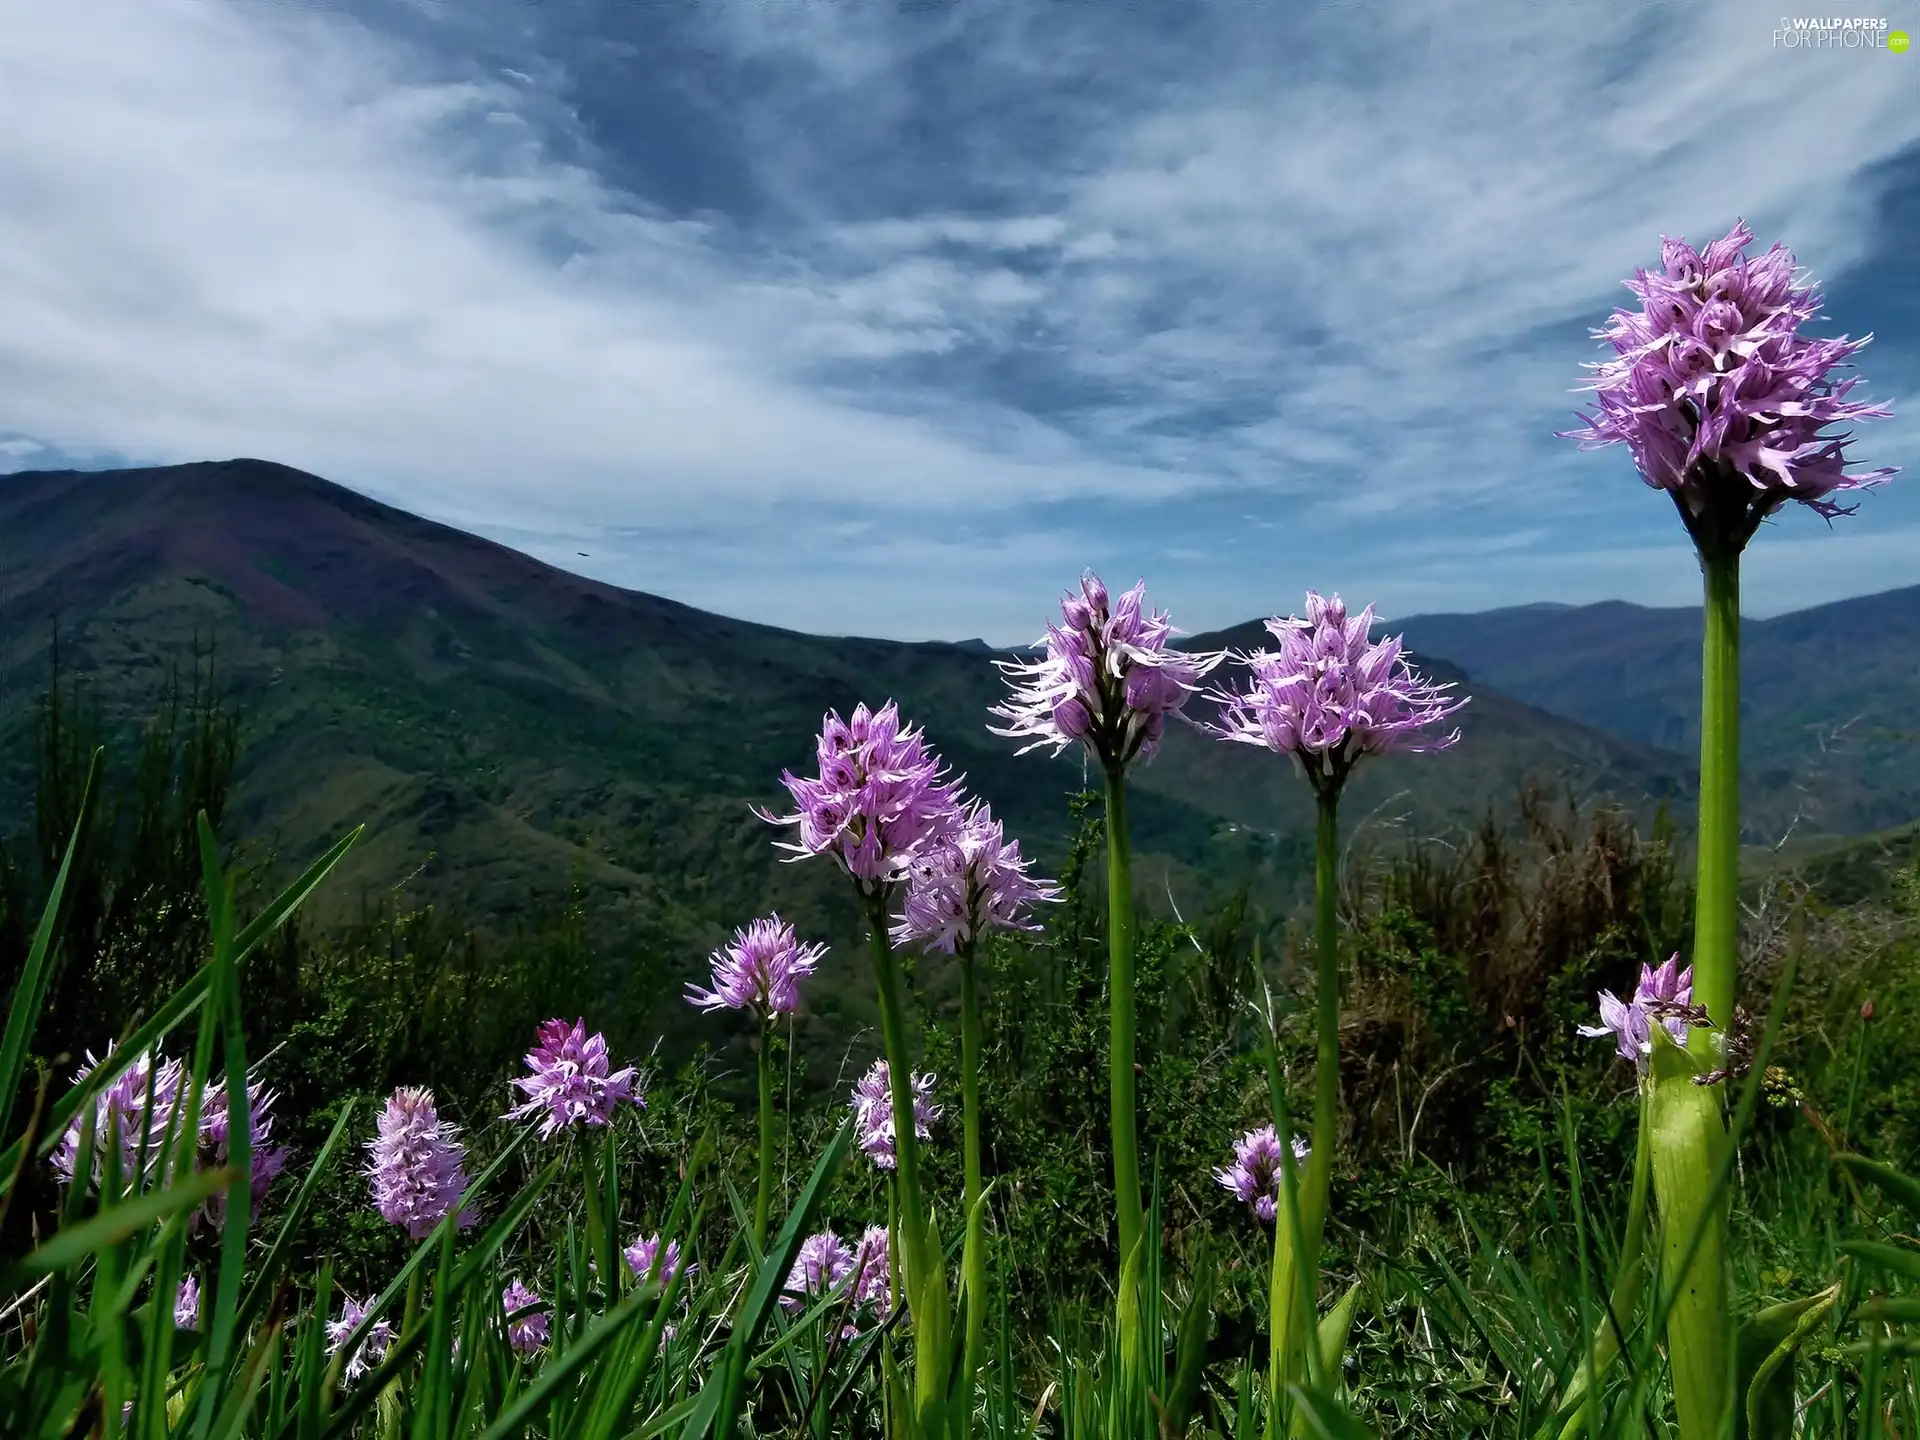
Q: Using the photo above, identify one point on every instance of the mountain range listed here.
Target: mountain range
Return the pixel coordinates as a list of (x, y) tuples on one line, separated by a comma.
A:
[(507, 729)]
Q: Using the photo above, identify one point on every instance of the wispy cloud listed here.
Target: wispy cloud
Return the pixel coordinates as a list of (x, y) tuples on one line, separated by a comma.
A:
[(888, 319)]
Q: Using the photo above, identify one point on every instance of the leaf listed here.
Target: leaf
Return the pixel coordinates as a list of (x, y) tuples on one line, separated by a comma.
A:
[(562, 1368), (1768, 1343), (1326, 1417), (1888, 1257), (1902, 1189), (1190, 1353), (178, 1006), (720, 1396), (72, 1243), (1689, 1145), (30, 995), (1335, 1325)]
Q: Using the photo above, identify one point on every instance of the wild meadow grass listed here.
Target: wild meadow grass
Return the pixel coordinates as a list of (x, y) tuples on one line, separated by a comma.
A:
[(1693, 1242)]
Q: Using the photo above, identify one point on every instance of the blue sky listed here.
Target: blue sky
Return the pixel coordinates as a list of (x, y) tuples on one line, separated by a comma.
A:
[(884, 317)]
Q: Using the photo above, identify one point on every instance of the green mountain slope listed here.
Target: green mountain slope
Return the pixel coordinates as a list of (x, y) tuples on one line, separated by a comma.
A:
[(503, 726)]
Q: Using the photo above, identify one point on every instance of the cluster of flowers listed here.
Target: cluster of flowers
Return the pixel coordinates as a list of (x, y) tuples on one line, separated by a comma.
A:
[(1256, 1174), (145, 1106), (860, 1274), (1664, 997), (417, 1171), (1715, 393)]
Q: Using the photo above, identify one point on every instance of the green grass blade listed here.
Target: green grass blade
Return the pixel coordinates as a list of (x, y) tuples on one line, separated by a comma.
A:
[(72, 1243), (276, 1257), (30, 994)]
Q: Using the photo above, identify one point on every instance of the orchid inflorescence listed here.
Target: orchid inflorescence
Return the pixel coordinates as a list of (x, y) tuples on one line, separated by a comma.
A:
[(971, 880), (1718, 397), (1108, 679), (569, 1081), (881, 797), (528, 1331), (760, 970), (872, 1104), (1331, 694), (417, 1166), (372, 1348), (862, 1273), (146, 1104), (1664, 997), (1255, 1175)]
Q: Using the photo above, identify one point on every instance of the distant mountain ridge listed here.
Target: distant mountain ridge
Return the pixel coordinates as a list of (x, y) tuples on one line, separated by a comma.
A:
[(1830, 695), (505, 727)]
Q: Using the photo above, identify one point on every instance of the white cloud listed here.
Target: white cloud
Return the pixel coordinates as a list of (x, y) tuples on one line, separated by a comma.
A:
[(1343, 256), (241, 230)]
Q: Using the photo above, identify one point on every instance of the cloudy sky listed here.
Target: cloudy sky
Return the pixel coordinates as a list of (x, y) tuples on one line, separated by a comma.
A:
[(888, 316)]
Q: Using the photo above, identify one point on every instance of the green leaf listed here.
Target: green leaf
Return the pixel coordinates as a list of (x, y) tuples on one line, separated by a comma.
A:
[(720, 1396), (30, 995), (1326, 1417), (1888, 1257), (1767, 1345), (72, 1243), (178, 1006), (1335, 1326), (1689, 1143), (1902, 1189), (277, 1257), (1190, 1352), (562, 1368)]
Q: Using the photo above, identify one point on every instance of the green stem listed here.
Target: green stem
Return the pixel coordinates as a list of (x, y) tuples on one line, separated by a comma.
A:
[(1326, 1057), (1689, 1144), (1689, 1133), (1120, 936), (1716, 933), (973, 1257), (921, 1261), (763, 1197), (1295, 1281)]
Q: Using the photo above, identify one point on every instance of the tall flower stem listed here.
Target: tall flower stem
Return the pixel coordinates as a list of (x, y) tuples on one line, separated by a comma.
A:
[(1120, 936), (1293, 1322), (1326, 1057), (1716, 935), (1689, 1129), (973, 1256), (763, 1197), (921, 1261)]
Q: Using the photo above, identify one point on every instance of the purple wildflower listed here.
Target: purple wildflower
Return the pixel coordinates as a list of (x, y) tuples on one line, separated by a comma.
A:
[(186, 1304), (416, 1168), (823, 1265), (761, 970), (872, 1104), (569, 1079), (1327, 696), (878, 800), (1719, 399), (973, 881), (526, 1333), (1665, 995), (873, 1273), (1108, 680), (644, 1252), (372, 1348), (267, 1160), (147, 1089), (1254, 1177)]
